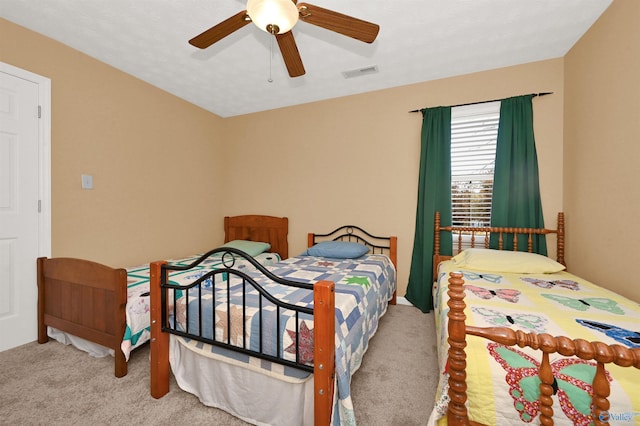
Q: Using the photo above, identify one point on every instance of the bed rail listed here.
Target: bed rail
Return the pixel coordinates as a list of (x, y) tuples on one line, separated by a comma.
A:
[(164, 311), (547, 344)]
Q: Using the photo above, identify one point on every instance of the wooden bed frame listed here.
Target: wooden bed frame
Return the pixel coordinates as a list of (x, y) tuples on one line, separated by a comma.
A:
[(547, 344), (88, 299), (323, 314)]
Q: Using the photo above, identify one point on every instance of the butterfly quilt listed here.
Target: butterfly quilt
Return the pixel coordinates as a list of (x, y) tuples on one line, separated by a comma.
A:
[(503, 383)]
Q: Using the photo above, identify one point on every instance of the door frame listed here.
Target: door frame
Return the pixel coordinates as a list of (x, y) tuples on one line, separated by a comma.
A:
[(44, 154)]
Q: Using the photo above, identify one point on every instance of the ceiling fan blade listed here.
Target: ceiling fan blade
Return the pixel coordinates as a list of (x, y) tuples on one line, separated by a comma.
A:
[(220, 31), (343, 24), (290, 54)]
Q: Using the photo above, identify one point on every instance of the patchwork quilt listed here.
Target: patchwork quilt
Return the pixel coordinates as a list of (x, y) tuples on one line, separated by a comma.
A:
[(364, 287), (502, 381), (138, 330)]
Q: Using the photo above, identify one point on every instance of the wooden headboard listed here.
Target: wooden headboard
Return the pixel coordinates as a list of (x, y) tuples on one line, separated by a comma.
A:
[(472, 234), (268, 229)]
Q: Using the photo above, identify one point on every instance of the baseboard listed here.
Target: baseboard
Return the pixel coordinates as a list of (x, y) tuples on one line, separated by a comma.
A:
[(403, 301)]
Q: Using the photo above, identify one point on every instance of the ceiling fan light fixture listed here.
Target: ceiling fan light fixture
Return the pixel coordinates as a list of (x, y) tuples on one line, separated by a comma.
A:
[(273, 16)]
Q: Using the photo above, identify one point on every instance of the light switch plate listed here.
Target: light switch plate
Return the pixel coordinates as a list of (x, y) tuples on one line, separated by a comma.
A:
[(87, 182)]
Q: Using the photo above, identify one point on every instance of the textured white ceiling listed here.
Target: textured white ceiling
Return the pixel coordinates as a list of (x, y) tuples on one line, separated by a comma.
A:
[(419, 40)]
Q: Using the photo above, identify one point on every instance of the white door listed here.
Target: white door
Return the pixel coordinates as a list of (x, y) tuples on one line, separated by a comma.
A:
[(21, 199)]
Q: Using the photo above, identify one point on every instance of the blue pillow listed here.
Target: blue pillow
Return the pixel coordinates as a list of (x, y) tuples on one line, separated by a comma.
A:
[(338, 249), (252, 248)]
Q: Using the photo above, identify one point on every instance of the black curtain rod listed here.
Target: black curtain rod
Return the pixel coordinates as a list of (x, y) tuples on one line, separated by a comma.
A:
[(484, 102)]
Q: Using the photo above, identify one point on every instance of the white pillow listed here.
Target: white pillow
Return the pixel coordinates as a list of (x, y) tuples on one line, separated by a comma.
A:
[(252, 248), (506, 261)]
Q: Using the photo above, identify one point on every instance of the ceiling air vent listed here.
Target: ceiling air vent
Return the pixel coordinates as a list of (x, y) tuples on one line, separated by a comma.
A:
[(360, 72)]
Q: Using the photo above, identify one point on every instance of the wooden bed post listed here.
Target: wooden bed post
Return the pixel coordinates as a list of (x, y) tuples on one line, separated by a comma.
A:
[(119, 314), (42, 328), (560, 242), (324, 318), (393, 255), (546, 390), (457, 411), (436, 245), (436, 234), (159, 340), (601, 392)]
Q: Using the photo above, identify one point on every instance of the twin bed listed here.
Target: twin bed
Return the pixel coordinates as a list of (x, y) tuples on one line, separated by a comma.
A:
[(105, 310), (501, 317), (275, 344), (272, 340)]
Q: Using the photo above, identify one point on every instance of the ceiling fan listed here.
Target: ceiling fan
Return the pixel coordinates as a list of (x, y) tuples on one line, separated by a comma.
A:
[(277, 17)]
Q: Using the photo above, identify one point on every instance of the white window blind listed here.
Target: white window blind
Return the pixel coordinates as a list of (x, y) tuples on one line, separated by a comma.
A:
[(474, 130)]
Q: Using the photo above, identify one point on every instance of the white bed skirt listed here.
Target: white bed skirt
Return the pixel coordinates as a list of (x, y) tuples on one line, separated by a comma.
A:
[(249, 395), (91, 348)]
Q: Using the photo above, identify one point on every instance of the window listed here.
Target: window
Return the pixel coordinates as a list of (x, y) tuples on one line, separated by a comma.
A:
[(474, 130)]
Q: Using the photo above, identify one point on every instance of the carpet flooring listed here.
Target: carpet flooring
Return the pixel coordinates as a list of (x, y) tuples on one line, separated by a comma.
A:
[(55, 384)]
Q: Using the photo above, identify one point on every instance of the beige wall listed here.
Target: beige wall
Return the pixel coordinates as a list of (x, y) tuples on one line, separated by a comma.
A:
[(137, 142), (602, 148), (352, 160)]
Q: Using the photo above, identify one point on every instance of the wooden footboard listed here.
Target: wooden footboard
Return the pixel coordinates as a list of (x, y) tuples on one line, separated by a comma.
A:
[(86, 299), (457, 330)]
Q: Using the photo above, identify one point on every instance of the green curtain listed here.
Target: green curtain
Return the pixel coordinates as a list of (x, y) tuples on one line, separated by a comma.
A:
[(434, 193), (516, 190)]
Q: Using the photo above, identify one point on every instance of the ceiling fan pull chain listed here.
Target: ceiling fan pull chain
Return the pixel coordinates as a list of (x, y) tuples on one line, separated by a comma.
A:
[(270, 80)]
